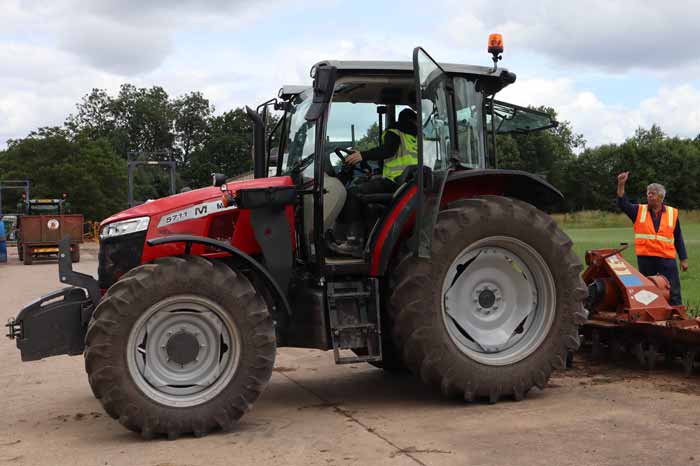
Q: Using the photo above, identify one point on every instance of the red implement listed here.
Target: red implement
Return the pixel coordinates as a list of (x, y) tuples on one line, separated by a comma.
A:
[(631, 312)]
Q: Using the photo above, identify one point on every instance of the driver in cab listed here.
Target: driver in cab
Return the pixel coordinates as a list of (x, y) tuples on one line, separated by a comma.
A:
[(398, 151)]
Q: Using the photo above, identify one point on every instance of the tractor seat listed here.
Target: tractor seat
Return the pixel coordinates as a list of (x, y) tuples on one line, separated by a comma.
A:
[(377, 204), (385, 199), (377, 198)]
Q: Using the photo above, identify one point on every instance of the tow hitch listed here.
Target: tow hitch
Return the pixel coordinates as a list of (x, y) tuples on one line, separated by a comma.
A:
[(56, 323), (14, 329)]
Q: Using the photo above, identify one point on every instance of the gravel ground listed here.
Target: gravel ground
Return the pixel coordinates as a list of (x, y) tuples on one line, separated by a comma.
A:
[(316, 413)]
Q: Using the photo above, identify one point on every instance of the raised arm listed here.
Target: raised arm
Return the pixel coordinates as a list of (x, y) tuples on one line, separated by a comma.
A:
[(621, 180), (622, 202)]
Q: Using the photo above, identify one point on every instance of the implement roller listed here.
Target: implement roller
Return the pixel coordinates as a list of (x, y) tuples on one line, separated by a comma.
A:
[(629, 313)]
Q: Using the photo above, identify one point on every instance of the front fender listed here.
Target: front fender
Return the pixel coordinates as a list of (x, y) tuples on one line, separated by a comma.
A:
[(274, 287)]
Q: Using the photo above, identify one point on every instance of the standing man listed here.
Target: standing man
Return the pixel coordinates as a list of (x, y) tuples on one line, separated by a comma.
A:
[(3, 242), (65, 204), (657, 235), (22, 205)]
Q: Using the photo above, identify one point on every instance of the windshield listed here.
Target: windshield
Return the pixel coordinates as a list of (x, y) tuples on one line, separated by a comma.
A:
[(511, 118), (470, 134), (301, 136), (46, 209)]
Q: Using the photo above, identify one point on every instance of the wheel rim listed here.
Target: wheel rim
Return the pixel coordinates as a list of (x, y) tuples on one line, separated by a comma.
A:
[(183, 350), (499, 300)]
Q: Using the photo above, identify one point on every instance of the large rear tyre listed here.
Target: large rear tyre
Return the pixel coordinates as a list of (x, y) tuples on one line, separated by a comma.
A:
[(182, 345), (27, 258), (498, 305)]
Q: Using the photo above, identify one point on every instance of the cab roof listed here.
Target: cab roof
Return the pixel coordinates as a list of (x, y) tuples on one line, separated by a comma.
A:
[(496, 80)]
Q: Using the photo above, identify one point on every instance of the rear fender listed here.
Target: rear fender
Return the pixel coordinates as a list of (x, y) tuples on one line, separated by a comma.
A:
[(397, 225), (508, 183)]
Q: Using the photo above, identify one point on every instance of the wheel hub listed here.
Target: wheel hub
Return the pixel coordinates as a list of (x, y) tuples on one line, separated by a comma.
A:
[(487, 299), (182, 348)]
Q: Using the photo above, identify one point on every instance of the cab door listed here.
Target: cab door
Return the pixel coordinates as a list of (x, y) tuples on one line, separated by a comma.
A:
[(434, 106)]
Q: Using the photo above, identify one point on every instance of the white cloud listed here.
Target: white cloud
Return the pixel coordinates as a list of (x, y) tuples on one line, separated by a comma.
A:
[(674, 109), (117, 47), (616, 36), (74, 46)]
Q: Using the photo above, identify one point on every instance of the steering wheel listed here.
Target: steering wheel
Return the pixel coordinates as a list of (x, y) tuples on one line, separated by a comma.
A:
[(364, 166)]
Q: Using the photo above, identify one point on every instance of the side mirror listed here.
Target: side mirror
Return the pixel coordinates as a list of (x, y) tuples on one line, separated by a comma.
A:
[(324, 83), (218, 179)]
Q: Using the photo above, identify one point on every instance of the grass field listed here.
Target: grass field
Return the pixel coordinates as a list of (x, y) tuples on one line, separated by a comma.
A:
[(608, 237)]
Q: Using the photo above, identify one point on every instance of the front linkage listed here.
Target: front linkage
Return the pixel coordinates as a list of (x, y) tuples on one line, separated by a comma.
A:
[(57, 322)]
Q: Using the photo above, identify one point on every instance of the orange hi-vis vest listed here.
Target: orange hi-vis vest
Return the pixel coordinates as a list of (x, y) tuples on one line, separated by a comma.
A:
[(648, 241)]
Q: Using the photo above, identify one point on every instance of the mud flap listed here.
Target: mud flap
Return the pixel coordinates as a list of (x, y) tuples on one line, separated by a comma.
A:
[(52, 325), (272, 231)]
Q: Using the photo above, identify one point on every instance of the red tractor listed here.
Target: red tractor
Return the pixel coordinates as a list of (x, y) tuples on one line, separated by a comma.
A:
[(464, 280)]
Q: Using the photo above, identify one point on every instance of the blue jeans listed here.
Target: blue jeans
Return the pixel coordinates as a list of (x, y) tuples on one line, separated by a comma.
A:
[(650, 265), (3, 251)]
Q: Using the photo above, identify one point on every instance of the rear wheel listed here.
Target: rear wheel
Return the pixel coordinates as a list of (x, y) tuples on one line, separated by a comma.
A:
[(27, 258), (183, 345), (498, 305), (20, 251)]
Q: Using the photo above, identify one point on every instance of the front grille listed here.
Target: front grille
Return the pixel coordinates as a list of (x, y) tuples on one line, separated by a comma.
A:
[(118, 255)]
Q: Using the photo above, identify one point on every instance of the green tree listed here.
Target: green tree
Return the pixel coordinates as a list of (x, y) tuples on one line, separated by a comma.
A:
[(546, 152), (228, 148), (90, 171), (649, 156), (137, 119), (370, 140), (192, 114)]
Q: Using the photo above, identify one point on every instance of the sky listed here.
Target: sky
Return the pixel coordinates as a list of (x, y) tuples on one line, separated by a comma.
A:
[(607, 67)]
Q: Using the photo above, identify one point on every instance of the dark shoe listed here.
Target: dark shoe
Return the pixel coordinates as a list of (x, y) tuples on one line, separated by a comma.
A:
[(348, 248)]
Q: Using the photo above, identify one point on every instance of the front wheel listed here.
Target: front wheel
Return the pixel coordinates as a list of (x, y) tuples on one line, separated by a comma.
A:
[(183, 345), (498, 305)]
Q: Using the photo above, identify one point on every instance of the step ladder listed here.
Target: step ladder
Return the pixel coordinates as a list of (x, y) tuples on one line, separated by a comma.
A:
[(353, 309)]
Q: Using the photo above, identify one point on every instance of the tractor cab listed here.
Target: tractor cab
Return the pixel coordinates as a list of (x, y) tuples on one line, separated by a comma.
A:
[(350, 107), (44, 207)]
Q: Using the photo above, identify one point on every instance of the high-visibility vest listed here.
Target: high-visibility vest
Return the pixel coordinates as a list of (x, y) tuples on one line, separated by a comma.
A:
[(406, 155), (648, 241)]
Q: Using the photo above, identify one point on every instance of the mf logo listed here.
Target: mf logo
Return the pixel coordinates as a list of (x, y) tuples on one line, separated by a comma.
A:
[(191, 213)]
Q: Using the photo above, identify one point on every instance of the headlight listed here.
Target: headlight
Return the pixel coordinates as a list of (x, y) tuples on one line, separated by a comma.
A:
[(124, 227)]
